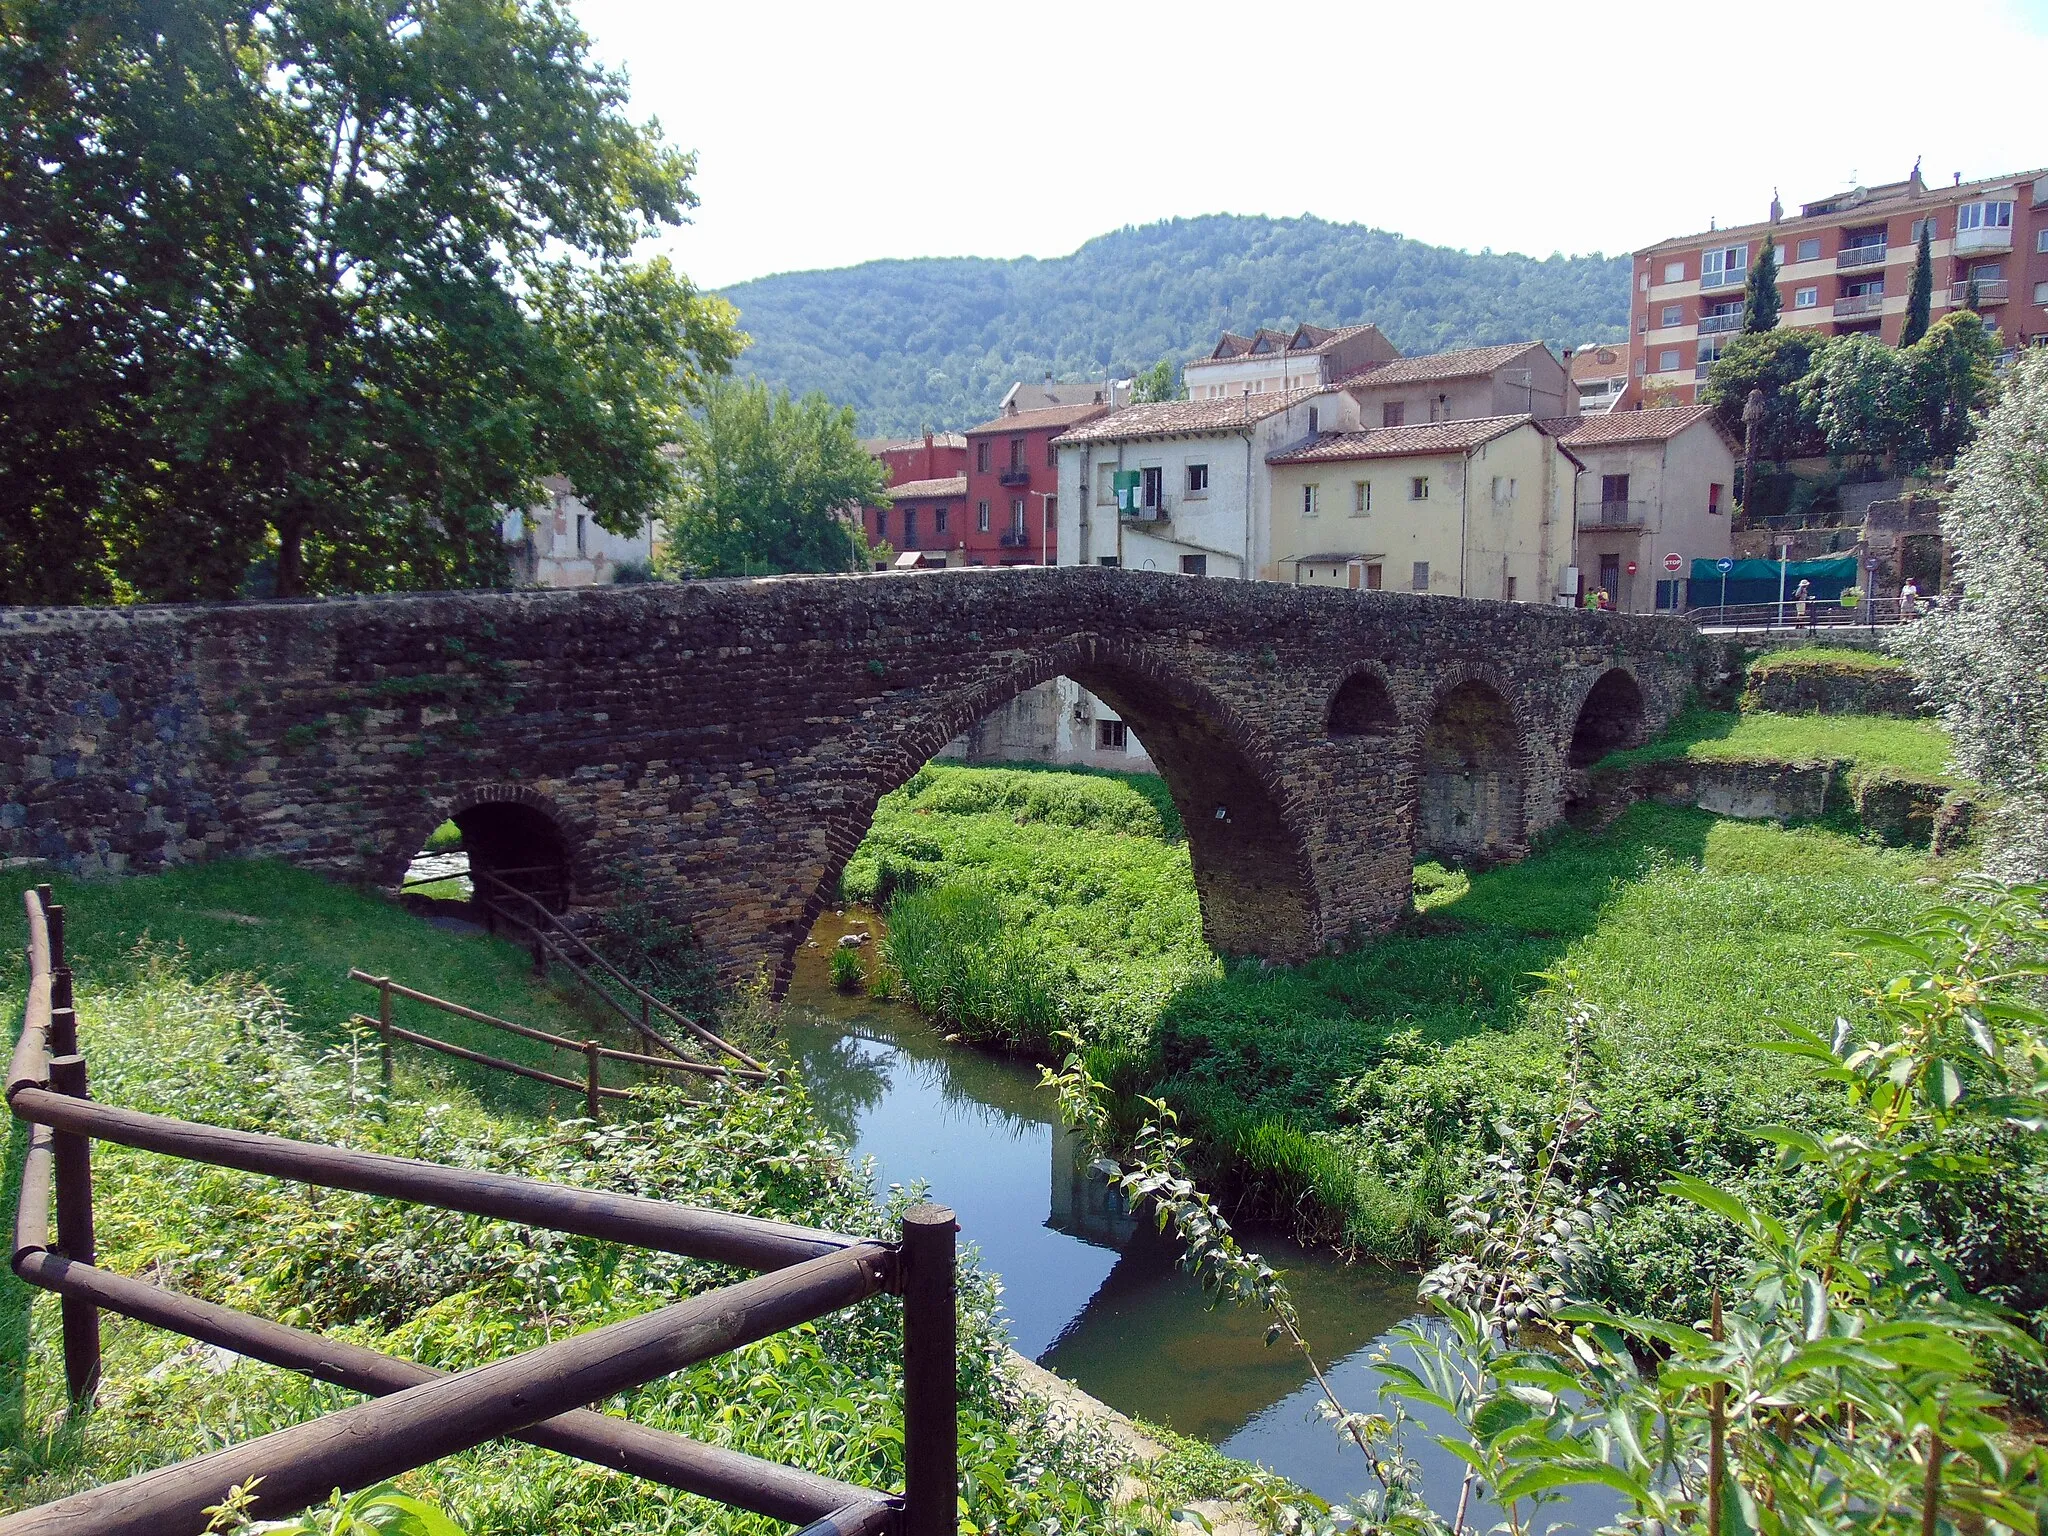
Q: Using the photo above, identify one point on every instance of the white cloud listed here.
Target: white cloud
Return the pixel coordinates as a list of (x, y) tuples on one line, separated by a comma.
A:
[(832, 134)]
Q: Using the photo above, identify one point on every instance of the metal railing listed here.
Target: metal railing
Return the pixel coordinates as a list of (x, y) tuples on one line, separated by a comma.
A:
[(1725, 279), (1014, 474), (1990, 290), (1821, 613), (1015, 538), (420, 1414), (1859, 256), (1612, 514), (1709, 324), (1859, 304)]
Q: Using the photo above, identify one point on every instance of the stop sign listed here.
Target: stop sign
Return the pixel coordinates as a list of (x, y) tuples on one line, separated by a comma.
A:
[(1672, 562)]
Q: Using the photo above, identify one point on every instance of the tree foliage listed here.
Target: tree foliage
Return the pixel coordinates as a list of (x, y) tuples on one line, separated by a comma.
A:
[(936, 341), (1775, 362), (1159, 382), (1911, 405), (766, 483), (1760, 302), (1920, 298), (327, 283), (1981, 659)]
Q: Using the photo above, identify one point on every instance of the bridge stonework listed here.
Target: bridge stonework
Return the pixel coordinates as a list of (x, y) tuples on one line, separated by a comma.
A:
[(720, 746)]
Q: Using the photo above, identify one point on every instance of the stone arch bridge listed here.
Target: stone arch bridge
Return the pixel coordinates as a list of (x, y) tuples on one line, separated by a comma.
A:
[(721, 745)]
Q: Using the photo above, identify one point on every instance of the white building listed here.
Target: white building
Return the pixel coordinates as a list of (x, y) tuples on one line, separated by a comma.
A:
[(1203, 493), (558, 543), (1275, 362), (1521, 378)]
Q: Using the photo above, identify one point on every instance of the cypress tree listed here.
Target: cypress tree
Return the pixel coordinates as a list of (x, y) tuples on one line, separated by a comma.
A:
[(1973, 297), (1760, 303), (1920, 302)]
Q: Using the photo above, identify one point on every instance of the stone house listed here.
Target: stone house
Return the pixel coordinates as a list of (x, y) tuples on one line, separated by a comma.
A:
[(558, 543), (1274, 362), (1521, 378)]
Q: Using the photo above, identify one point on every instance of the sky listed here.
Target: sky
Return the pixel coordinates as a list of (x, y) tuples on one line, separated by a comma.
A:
[(839, 133)]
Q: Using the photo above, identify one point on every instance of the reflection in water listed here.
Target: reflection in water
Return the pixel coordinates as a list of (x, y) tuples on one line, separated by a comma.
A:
[(1089, 1292)]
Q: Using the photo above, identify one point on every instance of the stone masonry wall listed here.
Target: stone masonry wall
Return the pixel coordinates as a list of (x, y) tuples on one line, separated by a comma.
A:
[(725, 742)]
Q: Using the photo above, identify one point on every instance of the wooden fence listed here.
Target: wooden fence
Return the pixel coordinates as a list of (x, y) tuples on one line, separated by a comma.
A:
[(421, 1414)]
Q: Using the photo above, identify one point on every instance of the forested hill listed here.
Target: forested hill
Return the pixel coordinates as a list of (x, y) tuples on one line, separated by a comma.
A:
[(936, 341)]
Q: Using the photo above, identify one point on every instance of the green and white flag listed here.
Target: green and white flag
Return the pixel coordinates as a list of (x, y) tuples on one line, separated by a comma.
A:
[(1126, 484)]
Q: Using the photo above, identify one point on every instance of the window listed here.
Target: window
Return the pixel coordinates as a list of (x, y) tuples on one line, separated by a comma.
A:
[(1719, 268), (1198, 479), (1151, 483), (981, 517), (1714, 498), (1418, 488), (1419, 580), (1393, 413), (1805, 298), (1674, 272), (1361, 497), (1983, 216), (582, 534), (1642, 366), (1613, 488), (1110, 561), (1674, 314), (881, 523), (1667, 361), (1308, 500), (1643, 282), (1374, 579), (1016, 453), (1503, 490), (2041, 293), (1642, 323), (981, 457), (2041, 241), (1052, 455), (910, 527), (1313, 420), (1926, 227), (1809, 250), (1105, 486), (1017, 515), (1110, 735), (1710, 349), (1511, 589), (938, 519), (1194, 565)]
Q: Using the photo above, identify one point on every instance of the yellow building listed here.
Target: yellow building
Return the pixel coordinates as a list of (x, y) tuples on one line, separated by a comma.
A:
[(1475, 508)]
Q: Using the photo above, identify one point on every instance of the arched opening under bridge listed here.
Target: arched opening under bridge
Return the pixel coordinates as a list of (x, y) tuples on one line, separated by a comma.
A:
[(1472, 777)]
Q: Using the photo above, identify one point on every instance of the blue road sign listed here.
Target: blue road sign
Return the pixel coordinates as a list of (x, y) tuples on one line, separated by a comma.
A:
[(1724, 565)]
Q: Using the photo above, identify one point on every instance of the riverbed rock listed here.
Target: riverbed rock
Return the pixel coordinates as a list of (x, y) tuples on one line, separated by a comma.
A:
[(852, 940)]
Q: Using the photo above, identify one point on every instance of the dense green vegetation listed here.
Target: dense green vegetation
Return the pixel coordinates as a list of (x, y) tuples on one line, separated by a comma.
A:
[(935, 342), (1865, 741), (230, 1012), (1357, 1095)]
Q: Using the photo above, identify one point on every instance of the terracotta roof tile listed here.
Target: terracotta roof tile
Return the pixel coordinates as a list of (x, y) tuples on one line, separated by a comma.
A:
[(1165, 418), (1320, 339), (1032, 421), (881, 445), (953, 485), (1436, 437), (1470, 363), (1627, 426)]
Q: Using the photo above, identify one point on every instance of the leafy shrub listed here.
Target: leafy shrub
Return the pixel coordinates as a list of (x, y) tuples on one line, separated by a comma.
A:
[(847, 971)]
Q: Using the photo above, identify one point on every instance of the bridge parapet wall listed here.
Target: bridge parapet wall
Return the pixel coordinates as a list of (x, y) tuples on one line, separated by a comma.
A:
[(722, 744)]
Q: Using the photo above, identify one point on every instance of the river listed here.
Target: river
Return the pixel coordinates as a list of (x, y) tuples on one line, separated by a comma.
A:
[(1089, 1293)]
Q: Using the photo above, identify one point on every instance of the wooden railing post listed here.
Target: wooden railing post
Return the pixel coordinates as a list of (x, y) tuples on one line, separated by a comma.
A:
[(384, 1028), (593, 1101), (931, 1428), (540, 955), (54, 916), (71, 1155)]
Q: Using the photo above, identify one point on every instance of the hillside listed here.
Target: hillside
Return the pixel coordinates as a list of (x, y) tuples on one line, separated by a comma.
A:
[(936, 341)]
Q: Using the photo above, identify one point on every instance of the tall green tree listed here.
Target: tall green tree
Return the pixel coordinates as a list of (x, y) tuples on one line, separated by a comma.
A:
[(1775, 362), (1920, 298), (1863, 396), (328, 285), (1953, 381), (768, 485), (1159, 382), (1760, 301)]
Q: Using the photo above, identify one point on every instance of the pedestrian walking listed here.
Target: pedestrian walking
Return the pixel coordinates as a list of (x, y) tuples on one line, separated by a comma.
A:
[(1800, 596), (1909, 600)]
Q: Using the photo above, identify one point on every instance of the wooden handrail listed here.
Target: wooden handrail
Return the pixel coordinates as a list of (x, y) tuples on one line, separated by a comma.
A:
[(527, 1031)]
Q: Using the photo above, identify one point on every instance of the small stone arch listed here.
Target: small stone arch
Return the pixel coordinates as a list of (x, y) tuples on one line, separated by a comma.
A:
[(1609, 718), (1257, 886), (1474, 773), (508, 831), (1363, 705)]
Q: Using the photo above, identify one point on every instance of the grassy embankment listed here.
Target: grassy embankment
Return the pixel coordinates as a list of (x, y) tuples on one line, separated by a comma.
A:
[(1355, 1094), (1869, 743), (217, 994)]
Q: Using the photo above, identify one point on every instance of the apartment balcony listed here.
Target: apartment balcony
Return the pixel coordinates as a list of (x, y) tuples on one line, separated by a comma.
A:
[(1016, 538), (1701, 369), (1709, 324), (1859, 304), (1733, 279), (1990, 290), (1969, 242), (1016, 474), (1159, 512), (1860, 256), (1617, 516)]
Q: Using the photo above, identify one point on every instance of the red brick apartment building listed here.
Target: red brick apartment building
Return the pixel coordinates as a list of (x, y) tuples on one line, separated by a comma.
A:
[(1011, 514), (931, 457), (1845, 264), (927, 481)]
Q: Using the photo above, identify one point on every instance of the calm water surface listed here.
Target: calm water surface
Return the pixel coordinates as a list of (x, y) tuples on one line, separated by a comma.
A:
[(1088, 1293)]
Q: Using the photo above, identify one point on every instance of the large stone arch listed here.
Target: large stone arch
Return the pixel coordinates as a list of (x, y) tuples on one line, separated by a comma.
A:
[(1362, 704), (1608, 712), (1246, 836), (1474, 768), (508, 829)]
